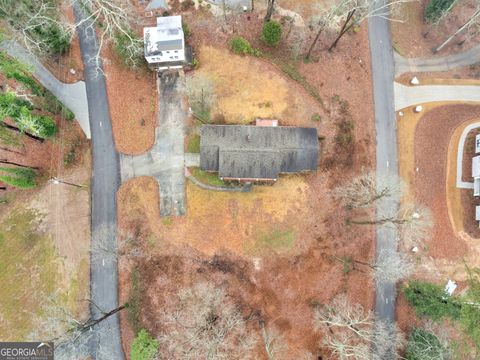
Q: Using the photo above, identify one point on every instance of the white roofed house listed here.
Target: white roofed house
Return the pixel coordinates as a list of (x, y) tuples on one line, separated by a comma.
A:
[(165, 44)]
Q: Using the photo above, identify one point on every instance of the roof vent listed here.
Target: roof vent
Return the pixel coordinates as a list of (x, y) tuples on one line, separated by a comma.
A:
[(249, 138)]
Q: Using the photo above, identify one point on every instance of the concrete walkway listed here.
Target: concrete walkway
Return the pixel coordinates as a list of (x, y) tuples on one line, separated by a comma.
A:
[(463, 184), (406, 96), (444, 63), (166, 160), (73, 96)]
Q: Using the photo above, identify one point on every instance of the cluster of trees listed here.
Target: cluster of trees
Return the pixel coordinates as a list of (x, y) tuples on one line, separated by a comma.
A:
[(351, 332), (432, 302), (23, 113), (38, 25)]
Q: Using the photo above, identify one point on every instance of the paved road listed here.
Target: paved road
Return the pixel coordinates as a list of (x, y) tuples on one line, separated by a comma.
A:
[(166, 160), (413, 95), (444, 63), (386, 150), (105, 182), (72, 96)]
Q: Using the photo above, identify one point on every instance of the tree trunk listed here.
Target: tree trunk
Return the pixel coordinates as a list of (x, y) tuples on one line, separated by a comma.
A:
[(459, 30), (268, 16), (5, 161), (314, 42), (344, 29), (91, 323), (11, 151), (13, 128)]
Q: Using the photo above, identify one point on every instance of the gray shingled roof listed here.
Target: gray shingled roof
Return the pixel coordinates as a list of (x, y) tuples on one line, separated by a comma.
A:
[(257, 152)]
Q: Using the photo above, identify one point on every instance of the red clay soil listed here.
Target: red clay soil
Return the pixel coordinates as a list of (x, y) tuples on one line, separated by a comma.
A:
[(408, 36), (132, 98), (432, 137), (283, 287)]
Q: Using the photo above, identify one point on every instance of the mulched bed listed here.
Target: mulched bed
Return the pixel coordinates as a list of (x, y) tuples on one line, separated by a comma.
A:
[(432, 138)]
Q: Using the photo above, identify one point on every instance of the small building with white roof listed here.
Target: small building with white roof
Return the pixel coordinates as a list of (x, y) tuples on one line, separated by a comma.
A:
[(165, 43)]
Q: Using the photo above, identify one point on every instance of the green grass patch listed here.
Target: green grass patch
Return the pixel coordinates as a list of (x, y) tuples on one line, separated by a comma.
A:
[(28, 272), (22, 178), (14, 69), (167, 220), (206, 177), (275, 240), (134, 301), (193, 145)]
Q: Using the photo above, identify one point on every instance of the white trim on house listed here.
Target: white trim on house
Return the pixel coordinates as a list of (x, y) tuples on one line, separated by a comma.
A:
[(165, 43)]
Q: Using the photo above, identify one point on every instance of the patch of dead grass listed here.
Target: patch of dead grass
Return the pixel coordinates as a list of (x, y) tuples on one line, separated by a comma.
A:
[(219, 220), (247, 87)]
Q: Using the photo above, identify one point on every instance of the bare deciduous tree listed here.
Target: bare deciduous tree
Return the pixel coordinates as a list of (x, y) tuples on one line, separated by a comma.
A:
[(324, 18), (273, 342), (392, 266), (365, 189), (270, 8), (108, 244), (205, 324), (114, 20), (348, 13), (71, 335), (389, 266), (28, 20), (351, 332), (471, 27), (201, 96)]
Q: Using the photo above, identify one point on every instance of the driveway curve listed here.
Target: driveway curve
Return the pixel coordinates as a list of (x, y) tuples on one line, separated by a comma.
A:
[(444, 63)]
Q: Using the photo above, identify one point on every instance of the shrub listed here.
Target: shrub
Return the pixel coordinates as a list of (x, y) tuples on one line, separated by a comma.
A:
[(144, 346), (435, 9), (56, 39), (316, 117), (423, 345), (431, 300), (271, 33), (186, 30), (241, 46), (23, 178)]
